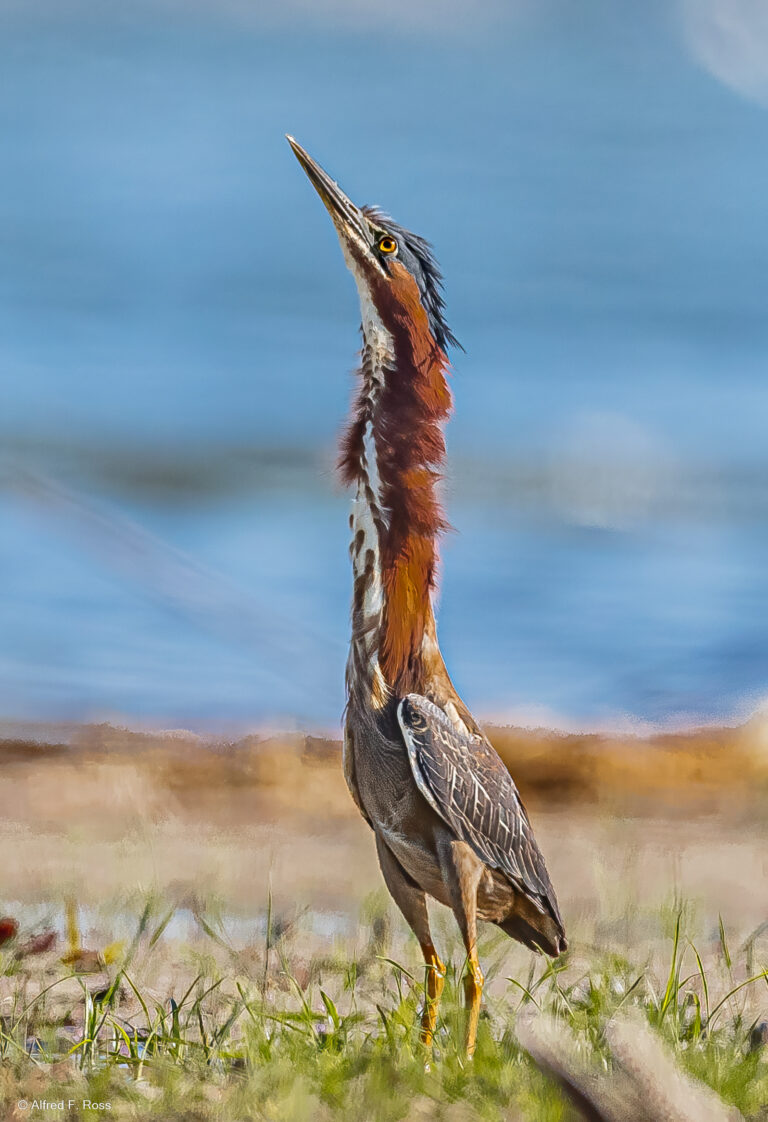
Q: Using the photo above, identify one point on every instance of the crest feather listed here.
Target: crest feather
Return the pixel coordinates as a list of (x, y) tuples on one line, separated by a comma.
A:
[(419, 257)]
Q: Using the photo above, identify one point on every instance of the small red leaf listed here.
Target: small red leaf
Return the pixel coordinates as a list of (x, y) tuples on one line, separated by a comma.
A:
[(8, 929)]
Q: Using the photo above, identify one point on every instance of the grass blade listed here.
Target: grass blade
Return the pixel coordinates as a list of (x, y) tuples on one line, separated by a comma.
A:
[(670, 994), (724, 943)]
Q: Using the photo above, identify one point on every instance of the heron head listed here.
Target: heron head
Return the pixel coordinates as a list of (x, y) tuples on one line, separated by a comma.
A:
[(390, 264)]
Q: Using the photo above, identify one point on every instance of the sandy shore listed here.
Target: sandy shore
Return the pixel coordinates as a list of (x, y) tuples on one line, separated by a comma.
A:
[(107, 815)]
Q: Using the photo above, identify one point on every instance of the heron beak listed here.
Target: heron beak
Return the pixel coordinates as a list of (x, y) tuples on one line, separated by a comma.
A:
[(348, 219)]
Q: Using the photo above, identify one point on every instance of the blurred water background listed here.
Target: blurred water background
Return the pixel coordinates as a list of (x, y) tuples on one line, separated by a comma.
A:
[(177, 332)]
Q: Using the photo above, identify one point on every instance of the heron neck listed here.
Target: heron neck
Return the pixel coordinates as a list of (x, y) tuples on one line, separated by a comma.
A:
[(392, 453)]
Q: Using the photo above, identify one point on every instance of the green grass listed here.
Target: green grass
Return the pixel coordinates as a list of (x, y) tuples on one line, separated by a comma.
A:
[(269, 1034)]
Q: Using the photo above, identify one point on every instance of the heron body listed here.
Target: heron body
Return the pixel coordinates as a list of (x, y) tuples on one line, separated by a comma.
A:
[(446, 814)]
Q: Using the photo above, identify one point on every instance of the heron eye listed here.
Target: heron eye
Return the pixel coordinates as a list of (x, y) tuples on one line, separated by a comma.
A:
[(387, 244)]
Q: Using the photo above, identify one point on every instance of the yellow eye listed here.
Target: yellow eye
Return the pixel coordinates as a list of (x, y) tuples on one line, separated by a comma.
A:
[(387, 244)]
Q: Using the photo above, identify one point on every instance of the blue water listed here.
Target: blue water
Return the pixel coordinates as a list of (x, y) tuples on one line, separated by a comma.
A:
[(177, 331)]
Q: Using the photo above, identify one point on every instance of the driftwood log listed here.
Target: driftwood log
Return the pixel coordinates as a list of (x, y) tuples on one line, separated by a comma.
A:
[(645, 1083)]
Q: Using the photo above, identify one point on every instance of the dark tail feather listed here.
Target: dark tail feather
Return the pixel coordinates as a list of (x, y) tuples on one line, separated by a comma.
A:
[(547, 935)]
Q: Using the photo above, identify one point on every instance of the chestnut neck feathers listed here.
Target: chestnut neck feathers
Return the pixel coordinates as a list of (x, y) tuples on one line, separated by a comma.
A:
[(392, 452)]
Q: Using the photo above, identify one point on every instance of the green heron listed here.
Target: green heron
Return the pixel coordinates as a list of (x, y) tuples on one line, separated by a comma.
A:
[(445, 812)]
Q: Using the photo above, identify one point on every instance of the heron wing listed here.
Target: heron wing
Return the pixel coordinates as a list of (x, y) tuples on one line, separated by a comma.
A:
[(465, 781)]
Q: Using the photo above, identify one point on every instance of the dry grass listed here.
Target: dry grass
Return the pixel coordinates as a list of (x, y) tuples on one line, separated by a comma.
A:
[(699, 769), (710, 768)]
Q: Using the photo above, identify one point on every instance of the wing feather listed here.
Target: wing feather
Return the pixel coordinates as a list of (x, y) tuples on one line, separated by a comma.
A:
[(465, 781)]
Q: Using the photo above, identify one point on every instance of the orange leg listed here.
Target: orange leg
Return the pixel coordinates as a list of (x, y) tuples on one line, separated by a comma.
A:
[(412, 902), (433, 990), (462, 870), (473, 993)]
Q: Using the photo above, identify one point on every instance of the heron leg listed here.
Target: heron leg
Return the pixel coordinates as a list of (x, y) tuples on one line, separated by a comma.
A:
[(462, 871), (412, 902), (473, 995)]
